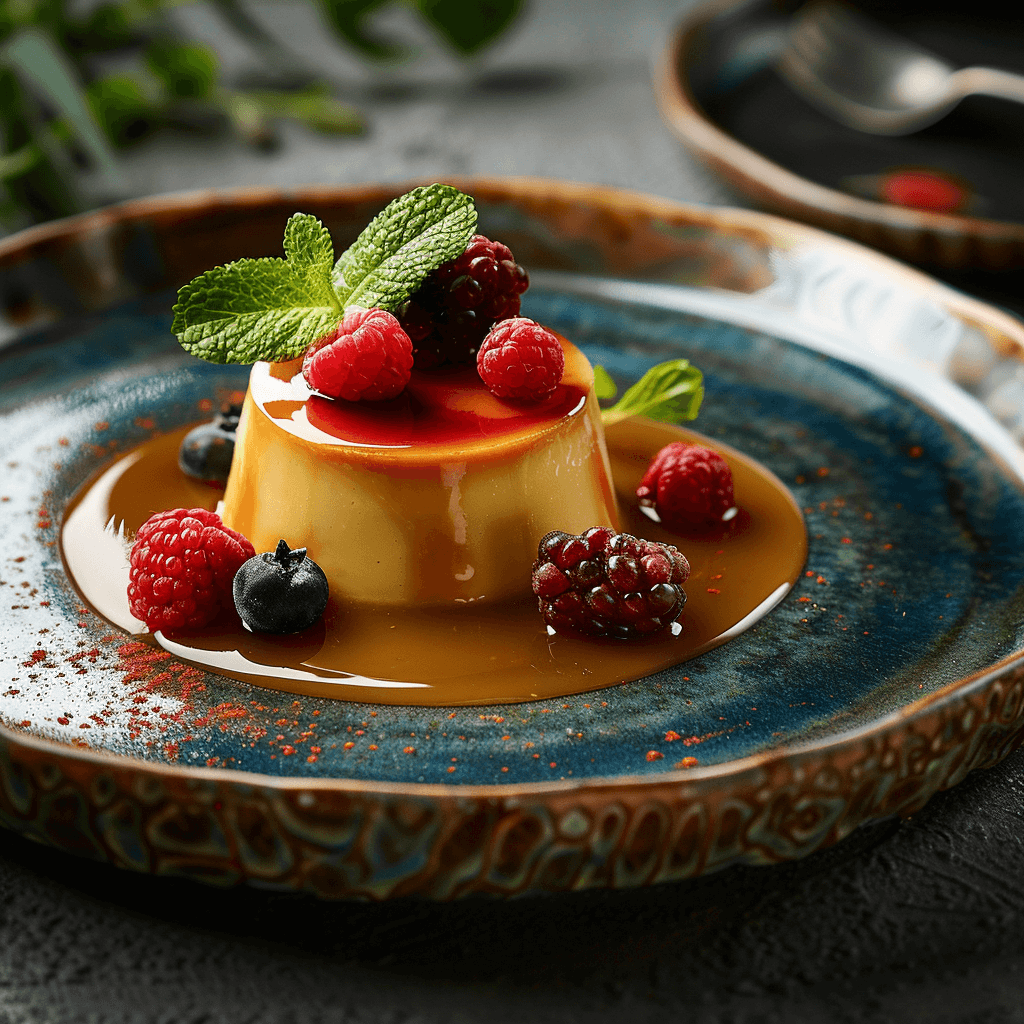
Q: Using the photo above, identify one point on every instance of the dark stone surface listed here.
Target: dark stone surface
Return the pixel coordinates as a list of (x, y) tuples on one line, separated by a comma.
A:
[(917, 920)]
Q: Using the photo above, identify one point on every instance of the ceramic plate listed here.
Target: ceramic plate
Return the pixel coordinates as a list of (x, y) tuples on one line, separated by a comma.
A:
[(889, 671), (719, 92)]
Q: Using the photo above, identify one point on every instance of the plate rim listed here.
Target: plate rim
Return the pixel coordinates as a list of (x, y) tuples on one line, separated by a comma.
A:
[(701, 782)]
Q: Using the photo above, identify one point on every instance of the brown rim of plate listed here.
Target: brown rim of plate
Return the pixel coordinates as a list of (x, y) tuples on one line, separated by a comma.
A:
[(1006, 332), (941, 239)]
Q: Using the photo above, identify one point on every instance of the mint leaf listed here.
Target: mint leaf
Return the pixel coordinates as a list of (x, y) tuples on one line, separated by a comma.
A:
[(408, 239), (308, 248), (670, 392), (267, 308), (604, 387)]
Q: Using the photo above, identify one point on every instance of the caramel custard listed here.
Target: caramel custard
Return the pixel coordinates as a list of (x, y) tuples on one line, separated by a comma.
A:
[(438, 496), (459, 654)]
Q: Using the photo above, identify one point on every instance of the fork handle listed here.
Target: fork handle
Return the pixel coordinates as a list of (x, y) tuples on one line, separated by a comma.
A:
[(991, 82)]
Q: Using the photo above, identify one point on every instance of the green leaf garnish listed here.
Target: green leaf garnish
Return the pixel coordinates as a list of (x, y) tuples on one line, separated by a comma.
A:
[(669, 392), (604, 387), (401, 245), (267, 308), (274, 309)]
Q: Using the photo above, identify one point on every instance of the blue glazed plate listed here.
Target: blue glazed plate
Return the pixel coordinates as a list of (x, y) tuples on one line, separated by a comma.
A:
[(912, 600)]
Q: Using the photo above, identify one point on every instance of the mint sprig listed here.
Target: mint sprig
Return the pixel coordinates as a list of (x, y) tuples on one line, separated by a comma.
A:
[(401, 245), (274, 309), (670, 392)]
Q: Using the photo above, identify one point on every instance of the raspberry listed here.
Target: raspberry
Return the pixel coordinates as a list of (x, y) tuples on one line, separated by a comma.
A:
[(367, 357), (604, 583), (688, 486), (455, 307), (182, 566), (520, 359)]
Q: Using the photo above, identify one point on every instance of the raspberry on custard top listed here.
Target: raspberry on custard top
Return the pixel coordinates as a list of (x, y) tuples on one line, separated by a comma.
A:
[(366, 357)]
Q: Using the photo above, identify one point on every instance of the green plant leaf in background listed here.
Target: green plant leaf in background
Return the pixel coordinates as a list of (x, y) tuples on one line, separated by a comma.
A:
[(187, 70), (348, 19), (37, 60), (469, 25), (121, 106)]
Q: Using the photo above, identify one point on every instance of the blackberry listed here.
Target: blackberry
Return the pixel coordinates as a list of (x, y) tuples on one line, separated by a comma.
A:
[(282, 591), (604, 583), (451, 313), (206, 451)]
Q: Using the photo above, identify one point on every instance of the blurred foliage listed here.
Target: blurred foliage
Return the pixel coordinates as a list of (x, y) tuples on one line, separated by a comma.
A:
[(78, 84)]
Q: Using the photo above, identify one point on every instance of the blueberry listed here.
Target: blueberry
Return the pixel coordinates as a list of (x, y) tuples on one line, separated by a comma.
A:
[(206, 451), (280, 591)]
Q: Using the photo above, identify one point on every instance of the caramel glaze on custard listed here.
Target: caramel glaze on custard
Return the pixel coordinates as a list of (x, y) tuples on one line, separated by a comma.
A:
[(438, 496), (485, 652)]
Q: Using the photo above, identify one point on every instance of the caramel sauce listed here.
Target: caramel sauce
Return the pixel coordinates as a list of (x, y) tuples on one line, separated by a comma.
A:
[(464, 654)]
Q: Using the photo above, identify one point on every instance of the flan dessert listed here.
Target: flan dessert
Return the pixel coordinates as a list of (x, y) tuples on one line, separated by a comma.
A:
[(434, 498)]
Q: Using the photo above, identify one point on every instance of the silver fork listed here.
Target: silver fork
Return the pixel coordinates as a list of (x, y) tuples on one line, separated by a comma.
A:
[(871, 79)]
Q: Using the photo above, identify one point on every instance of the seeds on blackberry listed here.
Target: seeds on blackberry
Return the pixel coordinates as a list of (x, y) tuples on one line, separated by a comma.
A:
[(607, 584)]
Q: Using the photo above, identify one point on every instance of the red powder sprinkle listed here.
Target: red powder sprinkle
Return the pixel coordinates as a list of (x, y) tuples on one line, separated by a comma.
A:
[(504, 769), (846, 540), (453, 714), (687, 762), (311, 758), (888, 547), (537, 756), (671, 736), (314, 750), (821, 579), (554, 764), (287, 750), (348, 745), (823, 471), (804, 600), (713, 590), (205, 405), (373, 746), (654, 755), (450, 770), (408, 750), (373, 714)]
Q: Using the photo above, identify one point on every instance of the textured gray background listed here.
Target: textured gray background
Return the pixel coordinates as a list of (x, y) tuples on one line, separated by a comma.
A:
[(918, 920)]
